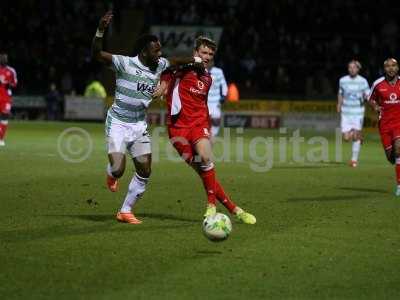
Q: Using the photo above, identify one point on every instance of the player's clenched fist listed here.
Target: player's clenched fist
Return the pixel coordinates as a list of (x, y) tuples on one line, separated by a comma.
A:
[(105, 21)]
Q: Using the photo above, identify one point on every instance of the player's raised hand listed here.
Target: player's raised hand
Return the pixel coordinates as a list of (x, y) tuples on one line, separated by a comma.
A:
[(105, 21)]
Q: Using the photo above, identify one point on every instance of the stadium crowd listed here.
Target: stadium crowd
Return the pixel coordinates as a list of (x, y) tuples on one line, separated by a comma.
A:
[(291, 48), (49, 42), (277, 47)]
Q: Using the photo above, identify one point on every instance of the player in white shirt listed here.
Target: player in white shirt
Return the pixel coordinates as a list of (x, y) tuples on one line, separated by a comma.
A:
[(353, 91), (137, 81), (216, 96)]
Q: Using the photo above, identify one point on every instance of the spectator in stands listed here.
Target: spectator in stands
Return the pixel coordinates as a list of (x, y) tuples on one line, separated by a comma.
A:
[(54, 102), (275, 35)]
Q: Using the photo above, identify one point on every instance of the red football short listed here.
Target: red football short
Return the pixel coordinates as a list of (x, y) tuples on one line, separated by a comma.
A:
[(5, 107), (389, 133), (184, 139)]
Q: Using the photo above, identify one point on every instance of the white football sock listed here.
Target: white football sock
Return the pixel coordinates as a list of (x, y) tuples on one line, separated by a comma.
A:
[(214, 130), (135, 191), (356, 150)]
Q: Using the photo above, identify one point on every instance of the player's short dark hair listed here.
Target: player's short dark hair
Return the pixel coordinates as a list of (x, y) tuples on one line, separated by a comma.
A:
[(143, 42), (205, 41)]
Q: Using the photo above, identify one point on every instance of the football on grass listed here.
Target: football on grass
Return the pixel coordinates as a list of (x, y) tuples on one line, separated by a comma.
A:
[(217, 227)]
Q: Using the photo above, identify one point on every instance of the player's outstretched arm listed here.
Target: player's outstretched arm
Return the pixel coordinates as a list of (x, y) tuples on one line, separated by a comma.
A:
[(97, 43), (179, 61)]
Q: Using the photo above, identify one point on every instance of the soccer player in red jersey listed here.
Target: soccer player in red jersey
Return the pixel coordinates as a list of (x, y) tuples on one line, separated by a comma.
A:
[(189, 124), (8, 80), (385, 99)]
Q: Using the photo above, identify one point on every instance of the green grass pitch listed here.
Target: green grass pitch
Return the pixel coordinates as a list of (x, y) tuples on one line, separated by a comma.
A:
[(324, 230)]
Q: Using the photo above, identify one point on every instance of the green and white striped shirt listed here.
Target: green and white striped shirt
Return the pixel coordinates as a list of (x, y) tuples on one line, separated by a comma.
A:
[(354, 91), (135, 84)]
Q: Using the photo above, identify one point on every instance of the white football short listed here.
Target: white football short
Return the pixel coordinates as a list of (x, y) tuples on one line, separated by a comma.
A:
[(131, 137), (214, 110), (351, 122)]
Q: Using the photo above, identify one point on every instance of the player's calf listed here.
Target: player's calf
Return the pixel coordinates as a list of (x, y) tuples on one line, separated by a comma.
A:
[(396, 151), (116, 167), (215, 126), (115, 170), (356, 147), (390, 155), (143, 165), (3, 128), (137, 186)]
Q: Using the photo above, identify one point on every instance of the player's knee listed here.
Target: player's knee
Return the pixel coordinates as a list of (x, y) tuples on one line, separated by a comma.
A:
[(205, 159), (144, 172), (391, 156), (118, 172), (118, 169)]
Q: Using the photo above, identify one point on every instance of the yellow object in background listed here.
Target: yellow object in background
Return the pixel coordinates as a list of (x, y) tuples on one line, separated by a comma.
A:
[(95, 89)]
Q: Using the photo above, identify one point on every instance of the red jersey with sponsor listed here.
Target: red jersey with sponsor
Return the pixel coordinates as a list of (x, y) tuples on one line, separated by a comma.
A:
[(387, 96), (187, 98), (8, 80)]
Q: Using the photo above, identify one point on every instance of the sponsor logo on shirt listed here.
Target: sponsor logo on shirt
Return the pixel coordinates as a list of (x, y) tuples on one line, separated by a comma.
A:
[(144, 87), (200, 84), (198, 91), (393, 99)]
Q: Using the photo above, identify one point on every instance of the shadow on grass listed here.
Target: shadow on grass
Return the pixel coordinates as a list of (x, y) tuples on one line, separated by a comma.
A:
[(106, 224), (207, 252), (310, 166), (357, 189), (204, 254), (107, 218), (93, 218), (162, 217), (328, 198)]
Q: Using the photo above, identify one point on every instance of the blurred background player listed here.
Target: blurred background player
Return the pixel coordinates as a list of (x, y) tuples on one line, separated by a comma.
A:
[(126, 127), (8, 80), (216, 97), (385, 99), (189, 126), (353, 91)]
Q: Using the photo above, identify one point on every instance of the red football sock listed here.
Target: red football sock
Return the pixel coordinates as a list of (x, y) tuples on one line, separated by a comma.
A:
[(398, 170), (3, 129), (223, 198), (208, 177)]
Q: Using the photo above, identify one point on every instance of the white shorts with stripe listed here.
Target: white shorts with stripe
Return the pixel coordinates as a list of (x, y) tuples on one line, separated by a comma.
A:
[(131, 137)]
